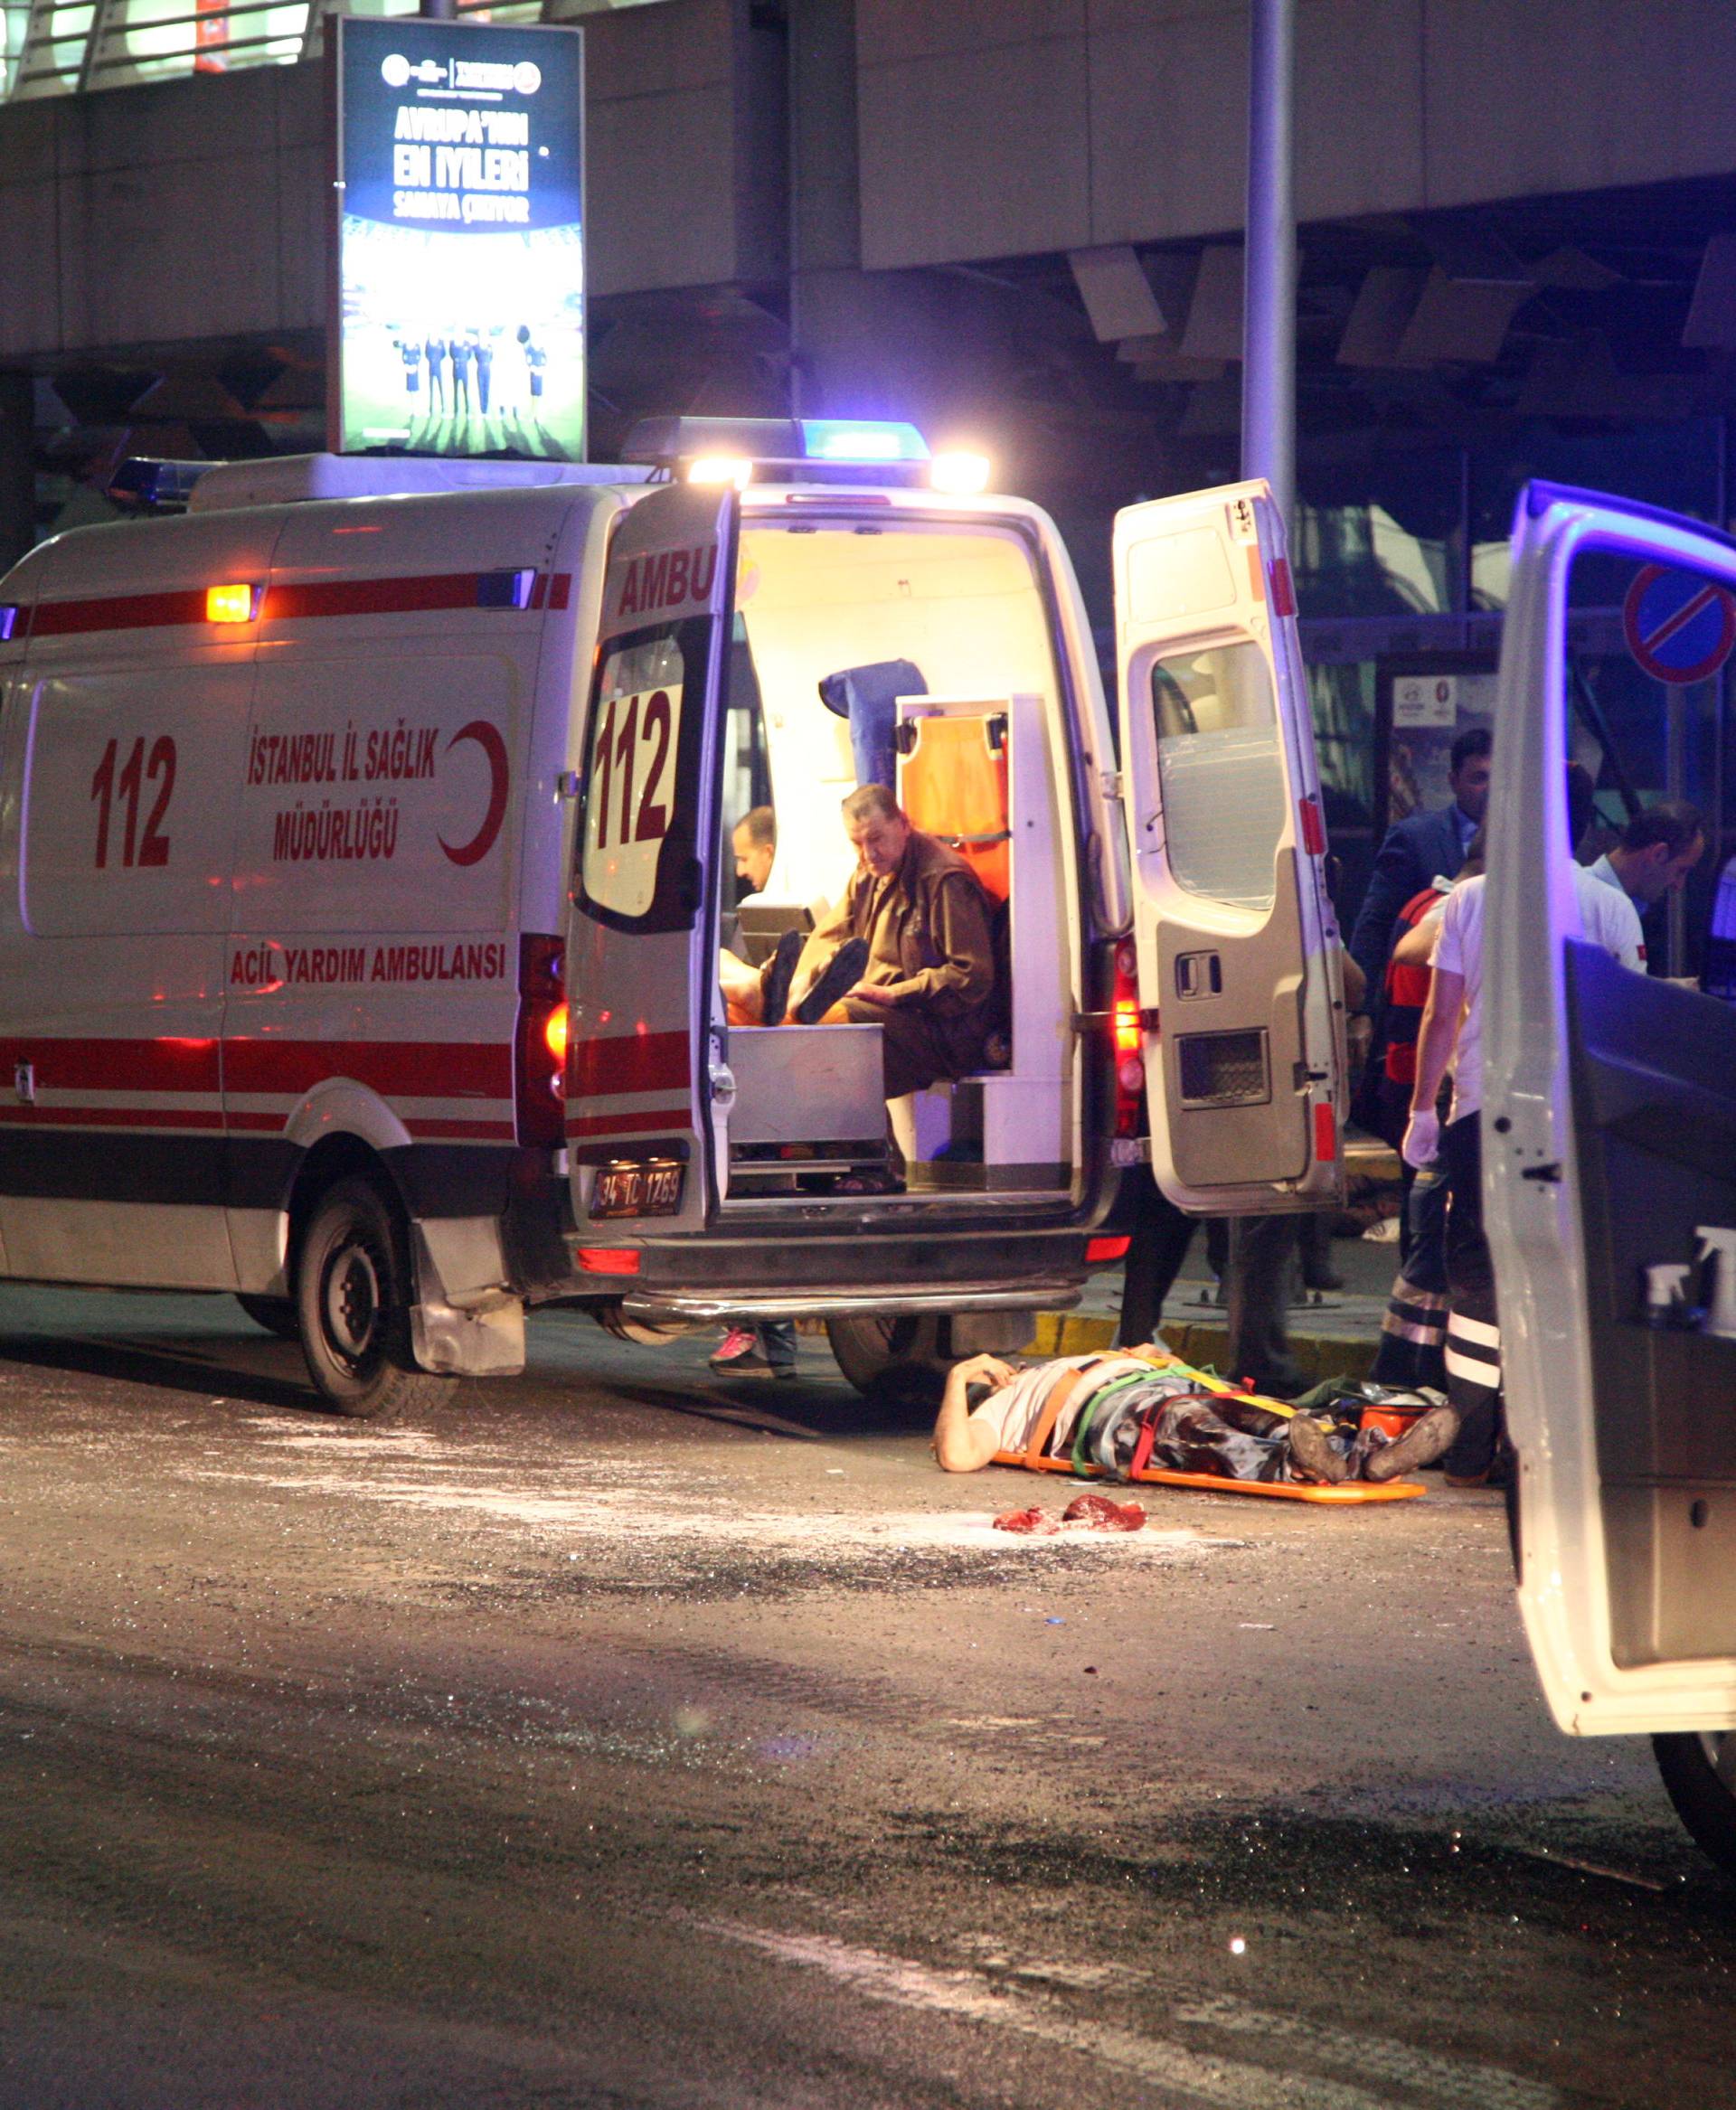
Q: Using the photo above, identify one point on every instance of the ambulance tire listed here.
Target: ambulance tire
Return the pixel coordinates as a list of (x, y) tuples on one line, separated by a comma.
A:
[(1697, 1783), (277, 1314), (352, 1304), (893, 1361)]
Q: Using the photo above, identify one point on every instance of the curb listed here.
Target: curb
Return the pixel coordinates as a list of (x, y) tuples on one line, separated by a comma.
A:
[(1204, 1346)]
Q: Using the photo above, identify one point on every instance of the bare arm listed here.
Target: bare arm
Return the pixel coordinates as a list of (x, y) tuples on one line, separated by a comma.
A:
[(1438, 1038), (1416, 948), (962, 1444)]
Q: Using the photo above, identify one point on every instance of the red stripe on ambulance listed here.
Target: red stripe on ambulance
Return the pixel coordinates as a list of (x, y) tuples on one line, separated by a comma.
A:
[(123, 611), (628, 1124), (304, 602), (426, 1070), (166, 1064), (620, 1063)]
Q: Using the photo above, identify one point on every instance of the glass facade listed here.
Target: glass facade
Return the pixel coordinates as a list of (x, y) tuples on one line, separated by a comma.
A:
[(1401, 574), (59, 47)]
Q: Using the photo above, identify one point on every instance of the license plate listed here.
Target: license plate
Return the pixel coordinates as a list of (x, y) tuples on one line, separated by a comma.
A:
[(636, 1191)]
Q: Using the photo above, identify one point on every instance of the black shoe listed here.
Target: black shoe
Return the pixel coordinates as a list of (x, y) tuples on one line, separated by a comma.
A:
[(781, 972), (1429, 1436), (843, 971), (1311, 1451)]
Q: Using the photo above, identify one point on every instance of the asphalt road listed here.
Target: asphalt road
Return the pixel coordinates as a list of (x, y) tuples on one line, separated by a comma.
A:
[(616, 1736)]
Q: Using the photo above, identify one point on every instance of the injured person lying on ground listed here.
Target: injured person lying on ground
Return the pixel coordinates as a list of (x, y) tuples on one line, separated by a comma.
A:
[(1129, 1409), (909, 949)]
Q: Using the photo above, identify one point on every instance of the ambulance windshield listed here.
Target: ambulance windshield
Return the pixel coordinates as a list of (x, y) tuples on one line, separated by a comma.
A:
[(842, 620)]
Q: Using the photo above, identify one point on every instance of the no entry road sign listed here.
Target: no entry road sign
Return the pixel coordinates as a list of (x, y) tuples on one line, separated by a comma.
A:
[(1680, 628)]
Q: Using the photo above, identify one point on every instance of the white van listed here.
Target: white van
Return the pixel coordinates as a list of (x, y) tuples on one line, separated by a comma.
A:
[(1609, 1152), (365, 837)]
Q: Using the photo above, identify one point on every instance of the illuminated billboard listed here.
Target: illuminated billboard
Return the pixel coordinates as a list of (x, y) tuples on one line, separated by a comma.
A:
[(458, 323)]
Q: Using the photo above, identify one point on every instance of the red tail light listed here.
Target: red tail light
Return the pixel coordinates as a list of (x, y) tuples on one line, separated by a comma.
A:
[(539, 1044), (1129, 1043)]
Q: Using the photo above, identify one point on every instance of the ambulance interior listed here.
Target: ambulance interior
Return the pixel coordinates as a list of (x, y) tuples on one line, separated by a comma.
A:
[(922, 650)]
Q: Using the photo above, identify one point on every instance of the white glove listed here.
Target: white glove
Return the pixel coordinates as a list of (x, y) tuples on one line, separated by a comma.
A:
[(1422, 1144)]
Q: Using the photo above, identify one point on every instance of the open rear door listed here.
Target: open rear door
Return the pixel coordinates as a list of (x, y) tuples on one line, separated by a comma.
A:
[(1609, 1147), (1239, 973), (639, 946)]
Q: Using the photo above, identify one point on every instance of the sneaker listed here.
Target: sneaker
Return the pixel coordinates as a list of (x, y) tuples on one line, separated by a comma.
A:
[(739, 1356), (781, 972), (737, 1341), (1312, 1456), (843, 971), (1429, 1436)]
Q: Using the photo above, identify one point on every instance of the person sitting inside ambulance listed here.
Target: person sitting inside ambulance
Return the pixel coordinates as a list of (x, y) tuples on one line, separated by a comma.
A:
[(913, 924)]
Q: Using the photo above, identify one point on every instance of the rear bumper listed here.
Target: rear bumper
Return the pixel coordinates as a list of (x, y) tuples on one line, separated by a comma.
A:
[(889, 1300), (810, 1277)]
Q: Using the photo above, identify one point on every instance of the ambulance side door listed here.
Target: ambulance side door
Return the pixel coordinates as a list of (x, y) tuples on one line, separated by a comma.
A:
[(1608, 1153), (1239, 983), (640, 943)]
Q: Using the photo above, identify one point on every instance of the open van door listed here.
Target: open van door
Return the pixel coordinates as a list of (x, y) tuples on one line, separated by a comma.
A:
[(640, 964), (1240, 985), (1609, 1150)]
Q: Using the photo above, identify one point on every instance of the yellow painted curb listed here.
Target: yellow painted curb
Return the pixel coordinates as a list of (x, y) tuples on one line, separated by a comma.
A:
[(1204, 1346)]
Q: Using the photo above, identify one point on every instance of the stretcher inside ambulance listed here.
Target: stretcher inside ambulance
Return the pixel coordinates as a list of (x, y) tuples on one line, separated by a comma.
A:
[(367, 833)]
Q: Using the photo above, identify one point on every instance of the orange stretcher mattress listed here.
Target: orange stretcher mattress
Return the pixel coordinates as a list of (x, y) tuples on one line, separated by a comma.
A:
[(1036, 1459)]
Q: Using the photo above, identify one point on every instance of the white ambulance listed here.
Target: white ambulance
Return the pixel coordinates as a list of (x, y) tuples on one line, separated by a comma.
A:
[(1610, 1155), (365, 832)]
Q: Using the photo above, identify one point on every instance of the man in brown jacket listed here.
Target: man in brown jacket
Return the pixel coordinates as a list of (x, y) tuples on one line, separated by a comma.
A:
[(929, 980)]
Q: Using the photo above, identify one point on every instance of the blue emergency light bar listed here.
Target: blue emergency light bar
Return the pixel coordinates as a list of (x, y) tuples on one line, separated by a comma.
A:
[(851, 439), (156, 486), (776, 442)]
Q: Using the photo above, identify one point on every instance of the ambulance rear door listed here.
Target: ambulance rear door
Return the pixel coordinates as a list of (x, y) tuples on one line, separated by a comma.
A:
[(1239, 983), (1608, 1153), (642, 1072)]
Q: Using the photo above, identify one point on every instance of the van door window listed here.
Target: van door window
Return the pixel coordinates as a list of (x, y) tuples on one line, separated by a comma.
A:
[(636, 860), (1221, 771)]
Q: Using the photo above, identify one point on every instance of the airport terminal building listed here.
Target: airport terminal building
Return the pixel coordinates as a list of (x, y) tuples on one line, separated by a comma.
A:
[(1016, 224)]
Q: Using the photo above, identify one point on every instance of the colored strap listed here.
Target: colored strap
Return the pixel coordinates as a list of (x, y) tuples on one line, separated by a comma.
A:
[(1059, 1393)]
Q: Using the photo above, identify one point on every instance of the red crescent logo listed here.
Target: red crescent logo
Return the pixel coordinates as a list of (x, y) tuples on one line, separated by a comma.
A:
[(487, 738)]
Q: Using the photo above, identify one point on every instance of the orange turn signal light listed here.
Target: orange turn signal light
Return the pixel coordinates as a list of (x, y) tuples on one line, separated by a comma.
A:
[(1126, 1026), (554, 1033), (234, 603)]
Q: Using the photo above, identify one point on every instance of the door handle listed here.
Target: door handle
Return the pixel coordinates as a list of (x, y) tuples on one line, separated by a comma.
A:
[(722, 1083), (23, 1083)]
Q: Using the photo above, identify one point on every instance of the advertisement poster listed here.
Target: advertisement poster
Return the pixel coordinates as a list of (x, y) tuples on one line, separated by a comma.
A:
[(460, 322)]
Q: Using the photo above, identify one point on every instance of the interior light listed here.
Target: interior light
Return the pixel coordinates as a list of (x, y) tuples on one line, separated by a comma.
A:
[(234, 603), (963, 475), (720, 468)]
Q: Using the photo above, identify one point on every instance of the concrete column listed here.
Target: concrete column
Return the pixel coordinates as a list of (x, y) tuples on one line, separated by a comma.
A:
[(830, 327), (17, 467), (1268, 313)]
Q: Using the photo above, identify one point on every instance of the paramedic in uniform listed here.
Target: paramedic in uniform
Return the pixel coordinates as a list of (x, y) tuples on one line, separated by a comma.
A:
[(929, 980)]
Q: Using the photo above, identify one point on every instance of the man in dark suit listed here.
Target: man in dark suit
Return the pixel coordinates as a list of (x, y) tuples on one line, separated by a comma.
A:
[(1418, 850)]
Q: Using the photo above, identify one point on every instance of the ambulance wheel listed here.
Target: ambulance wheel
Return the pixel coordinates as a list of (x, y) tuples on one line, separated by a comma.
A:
[(1699, 1774), (893, 1361), (277, 1314), (351, 1305)]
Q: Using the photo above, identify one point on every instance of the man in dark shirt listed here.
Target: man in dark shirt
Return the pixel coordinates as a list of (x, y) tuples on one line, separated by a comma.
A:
[(1418, 850)]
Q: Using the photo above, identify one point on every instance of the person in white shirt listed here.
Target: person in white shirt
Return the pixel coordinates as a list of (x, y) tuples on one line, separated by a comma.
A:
[(1657, 851), (1452, 1038)]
